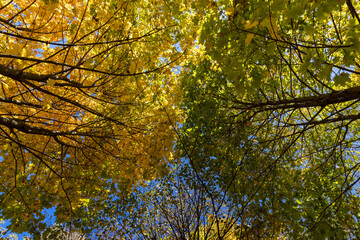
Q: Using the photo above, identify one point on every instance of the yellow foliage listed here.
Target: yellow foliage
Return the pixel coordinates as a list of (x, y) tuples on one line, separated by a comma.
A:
[(71, 109)]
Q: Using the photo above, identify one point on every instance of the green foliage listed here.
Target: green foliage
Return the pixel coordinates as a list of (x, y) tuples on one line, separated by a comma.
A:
[(270, 117)]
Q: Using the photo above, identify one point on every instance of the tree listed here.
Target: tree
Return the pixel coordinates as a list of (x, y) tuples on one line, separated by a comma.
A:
[(272, 115), (82, 110), (265, 141), (175, 206)]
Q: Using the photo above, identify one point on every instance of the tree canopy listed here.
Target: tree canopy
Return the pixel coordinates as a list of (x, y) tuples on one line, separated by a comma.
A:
[(84, 89), (181, 119)]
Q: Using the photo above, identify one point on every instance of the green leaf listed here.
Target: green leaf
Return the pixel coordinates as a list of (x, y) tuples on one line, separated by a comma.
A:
[(342, 79)]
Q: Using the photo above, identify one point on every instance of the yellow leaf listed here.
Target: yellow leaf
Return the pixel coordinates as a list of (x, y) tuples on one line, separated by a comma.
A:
[(248, 39), (132, 68), (229, 10), (46, 104), (271, 26), (13, 51), (4, 85), (248, 24), (85, 201), (23, 52), (51, 82)]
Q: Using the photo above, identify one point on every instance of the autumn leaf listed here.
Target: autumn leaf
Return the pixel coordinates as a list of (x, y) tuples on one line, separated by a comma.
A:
[(132, 69), (248, 39)]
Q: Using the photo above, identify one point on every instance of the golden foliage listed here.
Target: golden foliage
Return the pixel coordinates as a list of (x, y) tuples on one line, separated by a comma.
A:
[(87, 94)]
